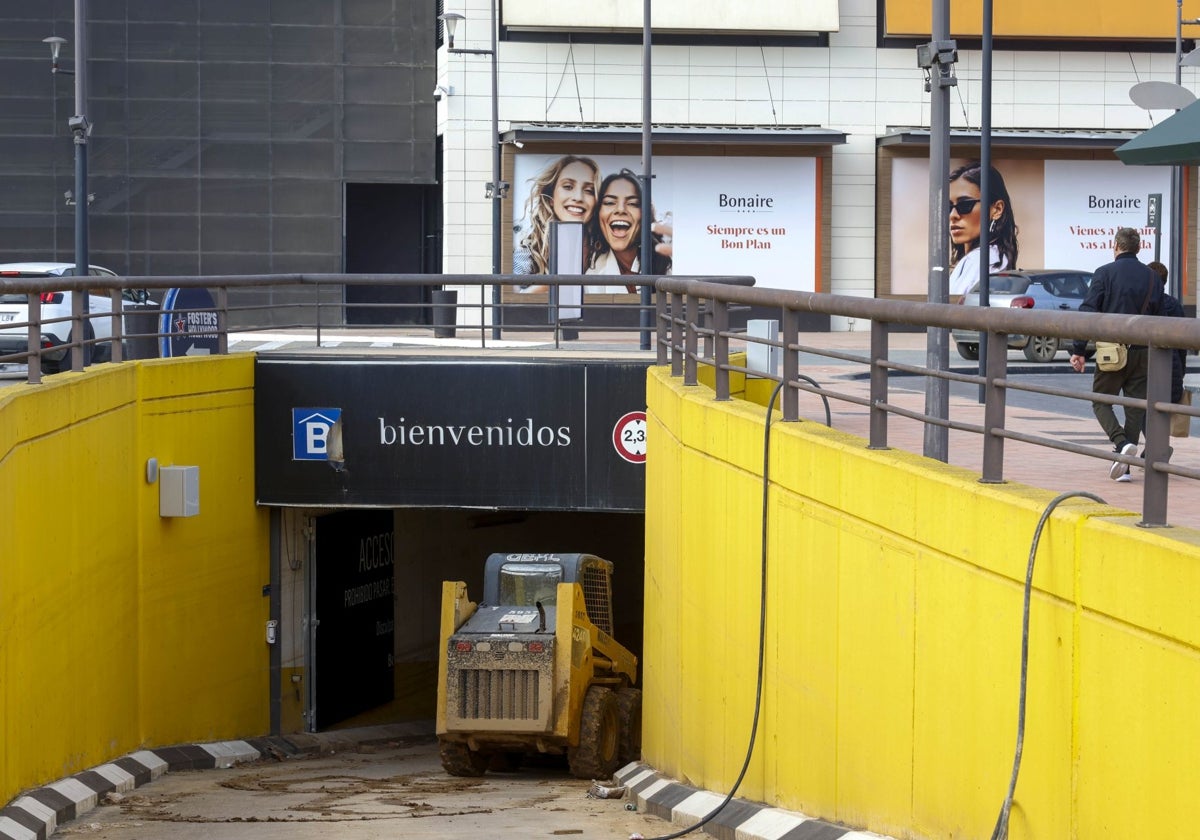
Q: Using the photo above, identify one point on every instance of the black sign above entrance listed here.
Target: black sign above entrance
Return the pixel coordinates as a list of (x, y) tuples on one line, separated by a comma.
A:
[(526, 435)]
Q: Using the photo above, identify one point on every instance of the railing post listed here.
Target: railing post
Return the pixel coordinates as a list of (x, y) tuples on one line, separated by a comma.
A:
[(994, 398), (692, 310), (721, 348), (115, 328), (1158, 434), (879, 385), (78, 331), (676, 334), (33, 361), (223, 321), (661, 332), (706, 321), (343, 292), (789, 334)]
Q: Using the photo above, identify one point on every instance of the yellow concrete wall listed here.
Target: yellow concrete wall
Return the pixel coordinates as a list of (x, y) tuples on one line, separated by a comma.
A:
[(119, 628), (893, 636)]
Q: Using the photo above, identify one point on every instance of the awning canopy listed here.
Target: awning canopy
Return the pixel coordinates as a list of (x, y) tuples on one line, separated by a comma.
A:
[(1043, 138), (1173, 142), (762, 135)]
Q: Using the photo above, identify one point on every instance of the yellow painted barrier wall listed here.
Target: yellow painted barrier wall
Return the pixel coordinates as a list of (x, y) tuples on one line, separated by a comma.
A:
[(119, 628), (893, 629)]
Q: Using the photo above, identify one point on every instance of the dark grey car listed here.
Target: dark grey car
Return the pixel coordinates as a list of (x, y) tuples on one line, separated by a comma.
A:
[(1043, 289)]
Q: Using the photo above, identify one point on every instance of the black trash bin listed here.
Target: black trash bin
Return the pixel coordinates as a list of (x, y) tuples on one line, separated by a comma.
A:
[(445, 313), (141, 330)]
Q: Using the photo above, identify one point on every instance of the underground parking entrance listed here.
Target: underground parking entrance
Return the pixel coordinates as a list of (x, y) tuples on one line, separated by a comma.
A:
[(400, 474)]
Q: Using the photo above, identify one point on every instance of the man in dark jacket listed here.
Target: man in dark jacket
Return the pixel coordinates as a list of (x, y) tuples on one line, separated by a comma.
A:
[(1129, 287)]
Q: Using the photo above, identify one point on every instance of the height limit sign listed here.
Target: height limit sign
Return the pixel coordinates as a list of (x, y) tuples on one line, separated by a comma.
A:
[(629, 437)]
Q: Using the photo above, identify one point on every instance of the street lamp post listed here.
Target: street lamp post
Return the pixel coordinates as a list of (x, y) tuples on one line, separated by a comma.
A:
[(496, 190), (80, 130), (645, 319), (1174, 274)]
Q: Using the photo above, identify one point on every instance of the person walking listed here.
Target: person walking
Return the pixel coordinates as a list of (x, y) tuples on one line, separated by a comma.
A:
[(1124, 286)]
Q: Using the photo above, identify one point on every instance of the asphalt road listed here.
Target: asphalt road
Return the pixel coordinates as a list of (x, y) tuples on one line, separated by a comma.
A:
[(372, 791)]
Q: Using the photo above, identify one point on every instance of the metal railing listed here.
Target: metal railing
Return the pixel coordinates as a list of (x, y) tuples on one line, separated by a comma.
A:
[(691, 329), (692, 319), (316, 302)]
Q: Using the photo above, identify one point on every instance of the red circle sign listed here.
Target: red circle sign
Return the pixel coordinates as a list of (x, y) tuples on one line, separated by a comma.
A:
[(629, 437)]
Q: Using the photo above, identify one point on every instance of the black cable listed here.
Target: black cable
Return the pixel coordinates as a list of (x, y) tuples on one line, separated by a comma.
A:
[(824, 399), (762, 629), (1001, 830)]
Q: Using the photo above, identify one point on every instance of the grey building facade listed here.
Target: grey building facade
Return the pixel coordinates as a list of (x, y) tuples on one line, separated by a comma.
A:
[(230, 136)]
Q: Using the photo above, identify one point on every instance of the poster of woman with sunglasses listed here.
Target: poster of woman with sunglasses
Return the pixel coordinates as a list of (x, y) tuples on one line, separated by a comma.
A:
[(967, 221), (1067, 211)]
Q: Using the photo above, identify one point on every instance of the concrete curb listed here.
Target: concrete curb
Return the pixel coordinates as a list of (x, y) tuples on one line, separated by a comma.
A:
[(37, 814), (684, 806)]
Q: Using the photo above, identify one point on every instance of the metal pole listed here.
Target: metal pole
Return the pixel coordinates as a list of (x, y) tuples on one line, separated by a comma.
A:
[(497, 189), (985, 185), (937, 390), (647, 242), (1175, 259), (80, 355)]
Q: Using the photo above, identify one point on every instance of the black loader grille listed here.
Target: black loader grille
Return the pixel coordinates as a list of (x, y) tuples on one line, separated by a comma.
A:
[(501, 694), (596, 597)]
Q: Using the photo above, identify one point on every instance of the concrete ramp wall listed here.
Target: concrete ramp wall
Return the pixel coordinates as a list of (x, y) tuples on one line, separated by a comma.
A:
[(120, 628), (893, 630)]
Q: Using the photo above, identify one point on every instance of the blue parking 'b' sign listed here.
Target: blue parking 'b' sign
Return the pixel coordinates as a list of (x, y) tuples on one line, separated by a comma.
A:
[(310, 432)]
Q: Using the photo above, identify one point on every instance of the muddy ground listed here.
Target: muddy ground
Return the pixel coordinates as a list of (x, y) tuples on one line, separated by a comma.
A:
[(388, 790)]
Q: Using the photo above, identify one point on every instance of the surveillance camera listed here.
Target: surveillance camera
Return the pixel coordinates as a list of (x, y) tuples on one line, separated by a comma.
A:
[(440, 91), (518, 144)]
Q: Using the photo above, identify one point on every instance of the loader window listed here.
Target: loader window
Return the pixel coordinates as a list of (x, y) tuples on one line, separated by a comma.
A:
[(523, 584)]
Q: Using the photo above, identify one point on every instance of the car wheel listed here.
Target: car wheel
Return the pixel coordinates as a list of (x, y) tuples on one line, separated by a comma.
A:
[(50, 366), (970, 352), (1041, 349)]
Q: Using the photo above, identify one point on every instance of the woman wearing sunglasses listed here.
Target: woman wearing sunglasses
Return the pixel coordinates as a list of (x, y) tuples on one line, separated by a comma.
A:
[(966, 223)]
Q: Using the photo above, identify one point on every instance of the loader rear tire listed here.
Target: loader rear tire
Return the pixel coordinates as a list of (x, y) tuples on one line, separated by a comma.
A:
[(597, 755), (629, 705), (460, 760)]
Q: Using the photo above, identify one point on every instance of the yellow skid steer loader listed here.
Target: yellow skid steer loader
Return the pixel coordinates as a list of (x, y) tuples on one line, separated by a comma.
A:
[(534, 669)]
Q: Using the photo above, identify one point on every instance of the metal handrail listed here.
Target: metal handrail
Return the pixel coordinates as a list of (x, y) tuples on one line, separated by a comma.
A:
[(1160, 334), (692, 330)]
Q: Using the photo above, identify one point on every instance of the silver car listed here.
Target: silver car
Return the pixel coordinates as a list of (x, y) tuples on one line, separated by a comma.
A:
[(1043, 289)]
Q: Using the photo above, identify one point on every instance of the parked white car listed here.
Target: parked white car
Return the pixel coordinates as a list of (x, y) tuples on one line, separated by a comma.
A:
[(14, 310)]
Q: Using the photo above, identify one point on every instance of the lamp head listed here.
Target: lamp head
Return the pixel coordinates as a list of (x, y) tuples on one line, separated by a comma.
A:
[(56, 44), (450, 19)]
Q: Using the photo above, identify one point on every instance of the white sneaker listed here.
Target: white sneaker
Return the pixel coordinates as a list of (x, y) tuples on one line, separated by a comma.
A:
[(1120, 468), (1124, 477)]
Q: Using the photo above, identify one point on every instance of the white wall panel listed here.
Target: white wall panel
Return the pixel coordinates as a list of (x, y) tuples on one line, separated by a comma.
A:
[(784, 16)]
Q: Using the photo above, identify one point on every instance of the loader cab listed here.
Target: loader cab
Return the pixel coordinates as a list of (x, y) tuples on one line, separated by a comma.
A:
[(526, 579)]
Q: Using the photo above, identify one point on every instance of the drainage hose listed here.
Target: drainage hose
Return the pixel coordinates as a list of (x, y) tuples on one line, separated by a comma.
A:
[(762, 628), (1001, 830)]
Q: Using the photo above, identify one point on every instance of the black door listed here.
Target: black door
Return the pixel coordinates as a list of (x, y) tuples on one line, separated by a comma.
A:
[(356, 612), (388, 232)]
